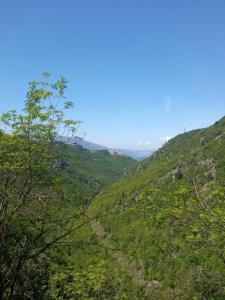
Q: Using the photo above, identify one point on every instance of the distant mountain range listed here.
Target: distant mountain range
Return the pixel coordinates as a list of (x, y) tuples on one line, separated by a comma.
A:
[(136, 154)]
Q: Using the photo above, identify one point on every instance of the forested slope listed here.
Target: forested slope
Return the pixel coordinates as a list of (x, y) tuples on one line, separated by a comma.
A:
[(169, 216), (86, 172), (80, 266)]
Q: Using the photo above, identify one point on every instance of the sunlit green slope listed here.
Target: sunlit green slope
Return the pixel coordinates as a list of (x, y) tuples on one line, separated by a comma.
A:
[(169, 216), (80, 266)]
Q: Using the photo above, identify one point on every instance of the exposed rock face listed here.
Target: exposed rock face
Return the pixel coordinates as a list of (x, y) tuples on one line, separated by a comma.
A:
[(176, 174), (218, 137), (139, 168), (202, 140), (211, 173)]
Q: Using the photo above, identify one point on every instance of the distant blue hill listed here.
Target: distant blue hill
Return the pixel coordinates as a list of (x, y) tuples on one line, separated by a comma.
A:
[(136, 154)]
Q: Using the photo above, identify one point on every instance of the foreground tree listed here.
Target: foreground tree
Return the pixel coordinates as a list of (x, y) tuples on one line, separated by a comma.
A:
[(30, 180)]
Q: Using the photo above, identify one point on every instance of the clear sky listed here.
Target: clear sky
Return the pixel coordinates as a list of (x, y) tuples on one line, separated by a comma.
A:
[(138, 70)]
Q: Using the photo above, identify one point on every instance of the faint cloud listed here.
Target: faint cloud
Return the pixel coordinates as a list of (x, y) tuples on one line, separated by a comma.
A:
[(152, 144), (168, 103), (145, 145), (165, 138)]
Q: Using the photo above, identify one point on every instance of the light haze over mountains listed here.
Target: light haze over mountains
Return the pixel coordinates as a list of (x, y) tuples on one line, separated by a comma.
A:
[(134, 153)]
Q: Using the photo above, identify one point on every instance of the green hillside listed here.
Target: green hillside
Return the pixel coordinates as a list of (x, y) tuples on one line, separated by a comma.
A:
[(86, 172), (80, 266), (168, 218)]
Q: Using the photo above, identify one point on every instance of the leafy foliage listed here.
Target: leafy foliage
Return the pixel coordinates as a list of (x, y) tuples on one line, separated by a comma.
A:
[(29, 180)]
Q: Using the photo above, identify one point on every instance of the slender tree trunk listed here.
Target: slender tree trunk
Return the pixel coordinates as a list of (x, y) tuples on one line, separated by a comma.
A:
[(12, 287), (1, 292)]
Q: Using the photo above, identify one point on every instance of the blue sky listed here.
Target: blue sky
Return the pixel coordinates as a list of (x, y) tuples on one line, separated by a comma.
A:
[(138, 70)]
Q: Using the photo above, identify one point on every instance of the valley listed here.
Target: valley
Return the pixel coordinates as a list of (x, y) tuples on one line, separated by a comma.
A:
[(162, 224), (96, 224)]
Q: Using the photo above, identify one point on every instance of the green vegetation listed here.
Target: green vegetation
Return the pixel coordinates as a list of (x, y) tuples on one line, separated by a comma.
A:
[(30, 187), (81, 268), (86, 173), (79, 224), (44, 190), (169, 217)]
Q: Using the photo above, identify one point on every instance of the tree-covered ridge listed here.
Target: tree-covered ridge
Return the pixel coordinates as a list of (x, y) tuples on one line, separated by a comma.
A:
[(86, 172), (169, 216)]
